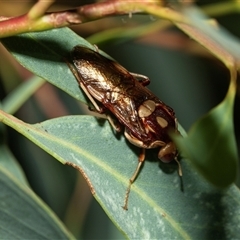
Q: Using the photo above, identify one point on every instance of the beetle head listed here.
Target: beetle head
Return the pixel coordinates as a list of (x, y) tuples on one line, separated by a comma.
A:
[(168, 152)]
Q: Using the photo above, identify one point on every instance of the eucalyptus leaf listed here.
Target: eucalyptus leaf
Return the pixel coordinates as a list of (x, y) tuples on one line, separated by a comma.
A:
[(25, 216), (46, 54), (8, 162), (14, 100), (211, 144), (214, 37), (161, 204)]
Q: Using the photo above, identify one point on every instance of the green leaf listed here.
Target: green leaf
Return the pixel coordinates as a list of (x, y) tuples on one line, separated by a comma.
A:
[(125, 33), (23, 215), (16, 98), (161, 206), (8, 162), (46, 54), (211, 145)]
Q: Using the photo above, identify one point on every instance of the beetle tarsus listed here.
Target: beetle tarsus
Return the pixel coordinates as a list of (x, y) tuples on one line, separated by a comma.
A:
[(141, 159), (125, 206)]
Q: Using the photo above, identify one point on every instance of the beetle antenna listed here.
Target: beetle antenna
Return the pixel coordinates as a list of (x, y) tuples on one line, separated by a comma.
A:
[(179, 167), (141, 159)]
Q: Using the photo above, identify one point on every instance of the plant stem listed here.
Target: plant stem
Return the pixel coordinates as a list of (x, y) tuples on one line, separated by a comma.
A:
[(37, 20)]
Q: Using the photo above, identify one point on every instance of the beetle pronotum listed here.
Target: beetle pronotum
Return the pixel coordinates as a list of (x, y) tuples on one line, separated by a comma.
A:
[(116, 92)]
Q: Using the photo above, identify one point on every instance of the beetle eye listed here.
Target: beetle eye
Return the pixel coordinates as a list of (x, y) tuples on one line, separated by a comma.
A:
[(167, 157)]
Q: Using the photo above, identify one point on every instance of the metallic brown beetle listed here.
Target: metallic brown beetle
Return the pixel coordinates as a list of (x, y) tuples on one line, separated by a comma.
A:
[(110, 87)]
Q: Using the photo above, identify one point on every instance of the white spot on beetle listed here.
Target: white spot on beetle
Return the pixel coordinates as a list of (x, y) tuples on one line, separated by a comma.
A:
[(162, 122), (146, 109)]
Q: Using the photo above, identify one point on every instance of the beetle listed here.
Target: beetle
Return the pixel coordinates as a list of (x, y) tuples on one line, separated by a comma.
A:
[(115, 91)]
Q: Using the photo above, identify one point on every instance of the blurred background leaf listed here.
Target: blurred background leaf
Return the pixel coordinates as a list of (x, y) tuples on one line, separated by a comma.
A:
[(211, 145), (23, 215)]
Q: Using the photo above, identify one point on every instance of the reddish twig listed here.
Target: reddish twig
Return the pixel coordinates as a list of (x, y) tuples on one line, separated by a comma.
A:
[(37, 20)]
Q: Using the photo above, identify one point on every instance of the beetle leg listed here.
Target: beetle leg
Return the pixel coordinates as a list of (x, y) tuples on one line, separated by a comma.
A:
[(141, 159), (144, 80), (97, 107), (115, 124), (179, 166)]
